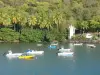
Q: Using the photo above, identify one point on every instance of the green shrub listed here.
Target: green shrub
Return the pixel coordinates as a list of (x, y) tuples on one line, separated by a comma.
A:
[(54, 35), (79, 37), (29, 35), (95, 37), (50, 35), (8, 35)]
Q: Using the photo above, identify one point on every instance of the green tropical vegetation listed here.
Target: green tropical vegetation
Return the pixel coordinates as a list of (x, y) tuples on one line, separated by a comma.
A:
[(46, 20)]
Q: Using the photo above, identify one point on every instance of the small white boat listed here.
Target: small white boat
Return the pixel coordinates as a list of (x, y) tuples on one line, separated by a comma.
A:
[(66, 54), (39, 44), (54, 43), (78, 44), (64, 50), (35, 52), (91, 45), (12, 55)]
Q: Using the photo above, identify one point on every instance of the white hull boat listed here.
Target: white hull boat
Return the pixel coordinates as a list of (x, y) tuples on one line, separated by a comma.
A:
[(39, 44), (35, 52), (66, 54), (64, 50), (91, 45), (13, 55), (78, 44), (55, 43)]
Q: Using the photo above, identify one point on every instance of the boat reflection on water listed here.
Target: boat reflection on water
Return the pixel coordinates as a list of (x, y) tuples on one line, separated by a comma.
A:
[(11, 58), (71, 46), (71, 58)]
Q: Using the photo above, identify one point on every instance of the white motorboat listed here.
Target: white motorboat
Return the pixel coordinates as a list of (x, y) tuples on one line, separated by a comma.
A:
[(35, 52), (12, 55), (66, 54), (78, 44), (91, 45), (64, 50), (54, 43), (39, 44)]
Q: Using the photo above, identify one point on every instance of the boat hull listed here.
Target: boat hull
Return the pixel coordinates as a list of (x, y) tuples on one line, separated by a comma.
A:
[(26, 57), (78, 44), (66, 54), (52, 47), (64, 50), (91, 45), (13, 55), (36, 52)]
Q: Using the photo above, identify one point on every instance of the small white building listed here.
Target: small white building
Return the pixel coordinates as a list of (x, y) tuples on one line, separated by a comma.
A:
[(71, 31)]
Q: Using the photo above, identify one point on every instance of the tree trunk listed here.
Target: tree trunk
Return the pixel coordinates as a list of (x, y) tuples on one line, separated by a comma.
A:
[(14, 27)]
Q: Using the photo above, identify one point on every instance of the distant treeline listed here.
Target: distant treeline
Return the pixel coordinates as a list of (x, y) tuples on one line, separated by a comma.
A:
[(46, 20)]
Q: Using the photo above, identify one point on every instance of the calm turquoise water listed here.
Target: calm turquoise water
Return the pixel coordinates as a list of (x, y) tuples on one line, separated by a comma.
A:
[(86, 61)]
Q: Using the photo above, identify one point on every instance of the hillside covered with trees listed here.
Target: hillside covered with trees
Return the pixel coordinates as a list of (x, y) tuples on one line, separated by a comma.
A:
[(46, 20)]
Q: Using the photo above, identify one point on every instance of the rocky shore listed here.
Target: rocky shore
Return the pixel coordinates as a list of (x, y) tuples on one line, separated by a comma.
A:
[(84, 41)]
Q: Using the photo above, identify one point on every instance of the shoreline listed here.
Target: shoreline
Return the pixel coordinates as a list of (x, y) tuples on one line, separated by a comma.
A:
[(67, 41), (84, 41)]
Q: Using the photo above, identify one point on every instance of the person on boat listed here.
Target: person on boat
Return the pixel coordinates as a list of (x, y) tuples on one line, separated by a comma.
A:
[(29, 50), (10, 52)]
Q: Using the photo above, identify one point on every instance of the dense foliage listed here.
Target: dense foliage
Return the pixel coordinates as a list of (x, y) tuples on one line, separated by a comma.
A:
[(8, 35), (28, 35), (30, 18)]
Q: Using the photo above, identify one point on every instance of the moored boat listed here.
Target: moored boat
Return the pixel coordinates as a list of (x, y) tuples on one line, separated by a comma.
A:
[(10, 54), (52, 47), (78, 44), (54, 43), (91, 45), (64, 50), (35, 52), (26, 57), (39, 43), (66, 54)]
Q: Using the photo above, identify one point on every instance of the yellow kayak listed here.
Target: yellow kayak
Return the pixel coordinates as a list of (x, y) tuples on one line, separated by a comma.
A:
[(26, 57)]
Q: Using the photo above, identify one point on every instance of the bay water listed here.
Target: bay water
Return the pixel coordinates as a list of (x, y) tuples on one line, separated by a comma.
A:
[(85, 61)]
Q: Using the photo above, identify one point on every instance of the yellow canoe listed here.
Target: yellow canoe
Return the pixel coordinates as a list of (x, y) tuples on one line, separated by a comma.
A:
[(26, 57)]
